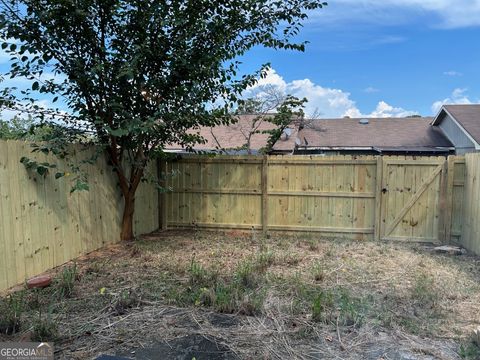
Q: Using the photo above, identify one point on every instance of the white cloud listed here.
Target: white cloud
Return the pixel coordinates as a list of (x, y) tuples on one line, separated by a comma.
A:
[(452, 73), (458, 96), (461, 13), (385, 110), (371, 90), (325, 102)]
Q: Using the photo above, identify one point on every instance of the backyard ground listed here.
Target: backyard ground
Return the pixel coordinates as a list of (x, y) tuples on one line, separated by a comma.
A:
[(209, 295)]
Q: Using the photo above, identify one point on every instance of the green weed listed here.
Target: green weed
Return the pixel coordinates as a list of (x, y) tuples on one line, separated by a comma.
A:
[(424, 290), (45, 328), (469, 350), (318, 271), (323, 306), (199, 276), (11, 309), (66, 281), (127, 299), (264, 260), (225, 299), (246, 276), (352, 309)]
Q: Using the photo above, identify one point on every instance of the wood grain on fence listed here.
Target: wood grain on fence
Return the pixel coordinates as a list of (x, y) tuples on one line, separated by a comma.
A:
[(42, 225), (470, 231), (362, 197), (334, 195)]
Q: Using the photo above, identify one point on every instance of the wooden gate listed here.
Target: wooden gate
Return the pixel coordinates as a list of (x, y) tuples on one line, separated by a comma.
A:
[(412, 200)]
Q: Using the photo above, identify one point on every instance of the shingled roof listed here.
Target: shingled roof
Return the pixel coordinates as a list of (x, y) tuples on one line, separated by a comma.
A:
[(468, 116), (233, 136), (378, 133)]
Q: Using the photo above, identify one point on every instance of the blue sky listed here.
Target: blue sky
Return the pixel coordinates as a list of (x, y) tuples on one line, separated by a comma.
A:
[(383, 58), (377, 58)]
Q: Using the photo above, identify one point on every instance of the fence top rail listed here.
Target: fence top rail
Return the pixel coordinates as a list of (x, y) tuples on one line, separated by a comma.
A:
[(257, 159)]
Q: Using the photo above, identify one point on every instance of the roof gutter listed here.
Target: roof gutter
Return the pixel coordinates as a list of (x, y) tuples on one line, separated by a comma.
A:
[(336, 148)]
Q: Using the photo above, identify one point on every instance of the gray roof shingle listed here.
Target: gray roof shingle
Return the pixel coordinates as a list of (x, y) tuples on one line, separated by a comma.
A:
[(468, 116), (378, 133)]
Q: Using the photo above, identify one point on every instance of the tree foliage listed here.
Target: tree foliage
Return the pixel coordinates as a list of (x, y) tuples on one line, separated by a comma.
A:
[(25, 128), (270, 105), (138, 74)]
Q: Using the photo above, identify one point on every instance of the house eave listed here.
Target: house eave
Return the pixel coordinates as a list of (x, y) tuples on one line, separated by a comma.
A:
[(437, 121)]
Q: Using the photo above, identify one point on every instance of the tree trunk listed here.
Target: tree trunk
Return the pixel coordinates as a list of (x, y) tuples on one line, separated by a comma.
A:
[(128, 187), (127, 220)]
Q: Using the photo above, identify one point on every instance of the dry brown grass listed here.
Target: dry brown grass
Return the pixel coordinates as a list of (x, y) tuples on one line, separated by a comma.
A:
[(306, 296)]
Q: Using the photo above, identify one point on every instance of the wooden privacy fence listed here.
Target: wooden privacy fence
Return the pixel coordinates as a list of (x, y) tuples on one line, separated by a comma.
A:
[(389, 198), (470, 211), (42, 225)]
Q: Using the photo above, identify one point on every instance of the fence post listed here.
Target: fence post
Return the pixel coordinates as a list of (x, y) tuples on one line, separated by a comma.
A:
[(449, 199), (265, 194), (378, 199), (162, 203), (443, 205)]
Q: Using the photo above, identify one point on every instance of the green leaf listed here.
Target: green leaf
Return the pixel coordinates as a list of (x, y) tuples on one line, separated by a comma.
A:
[(80, 186), (35, 85), (118, 132), (42, 170), (46, 57), (59, 175)]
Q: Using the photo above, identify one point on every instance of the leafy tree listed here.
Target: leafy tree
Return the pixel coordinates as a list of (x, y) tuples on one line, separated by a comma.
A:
[(270, 105), (15, 128), (289, 112), (24, 128), (137, 74)]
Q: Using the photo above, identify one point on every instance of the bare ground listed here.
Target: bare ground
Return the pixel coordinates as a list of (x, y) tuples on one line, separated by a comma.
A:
[(234, 295)]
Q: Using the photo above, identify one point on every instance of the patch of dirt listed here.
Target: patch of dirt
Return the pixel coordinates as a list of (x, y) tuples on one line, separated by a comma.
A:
[(222, 320), (189, 347)]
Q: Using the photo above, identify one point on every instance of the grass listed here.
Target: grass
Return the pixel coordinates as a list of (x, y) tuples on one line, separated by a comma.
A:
[(318, 271), (424, 290), (65, 282), (11, 309), (470, 351), (34, 310), (44, 328), (239, 292), (307, 288)]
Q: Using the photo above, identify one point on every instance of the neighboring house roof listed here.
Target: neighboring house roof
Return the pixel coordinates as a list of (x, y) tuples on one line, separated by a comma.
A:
[(414, 134), (466, 116), (233, 136)]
